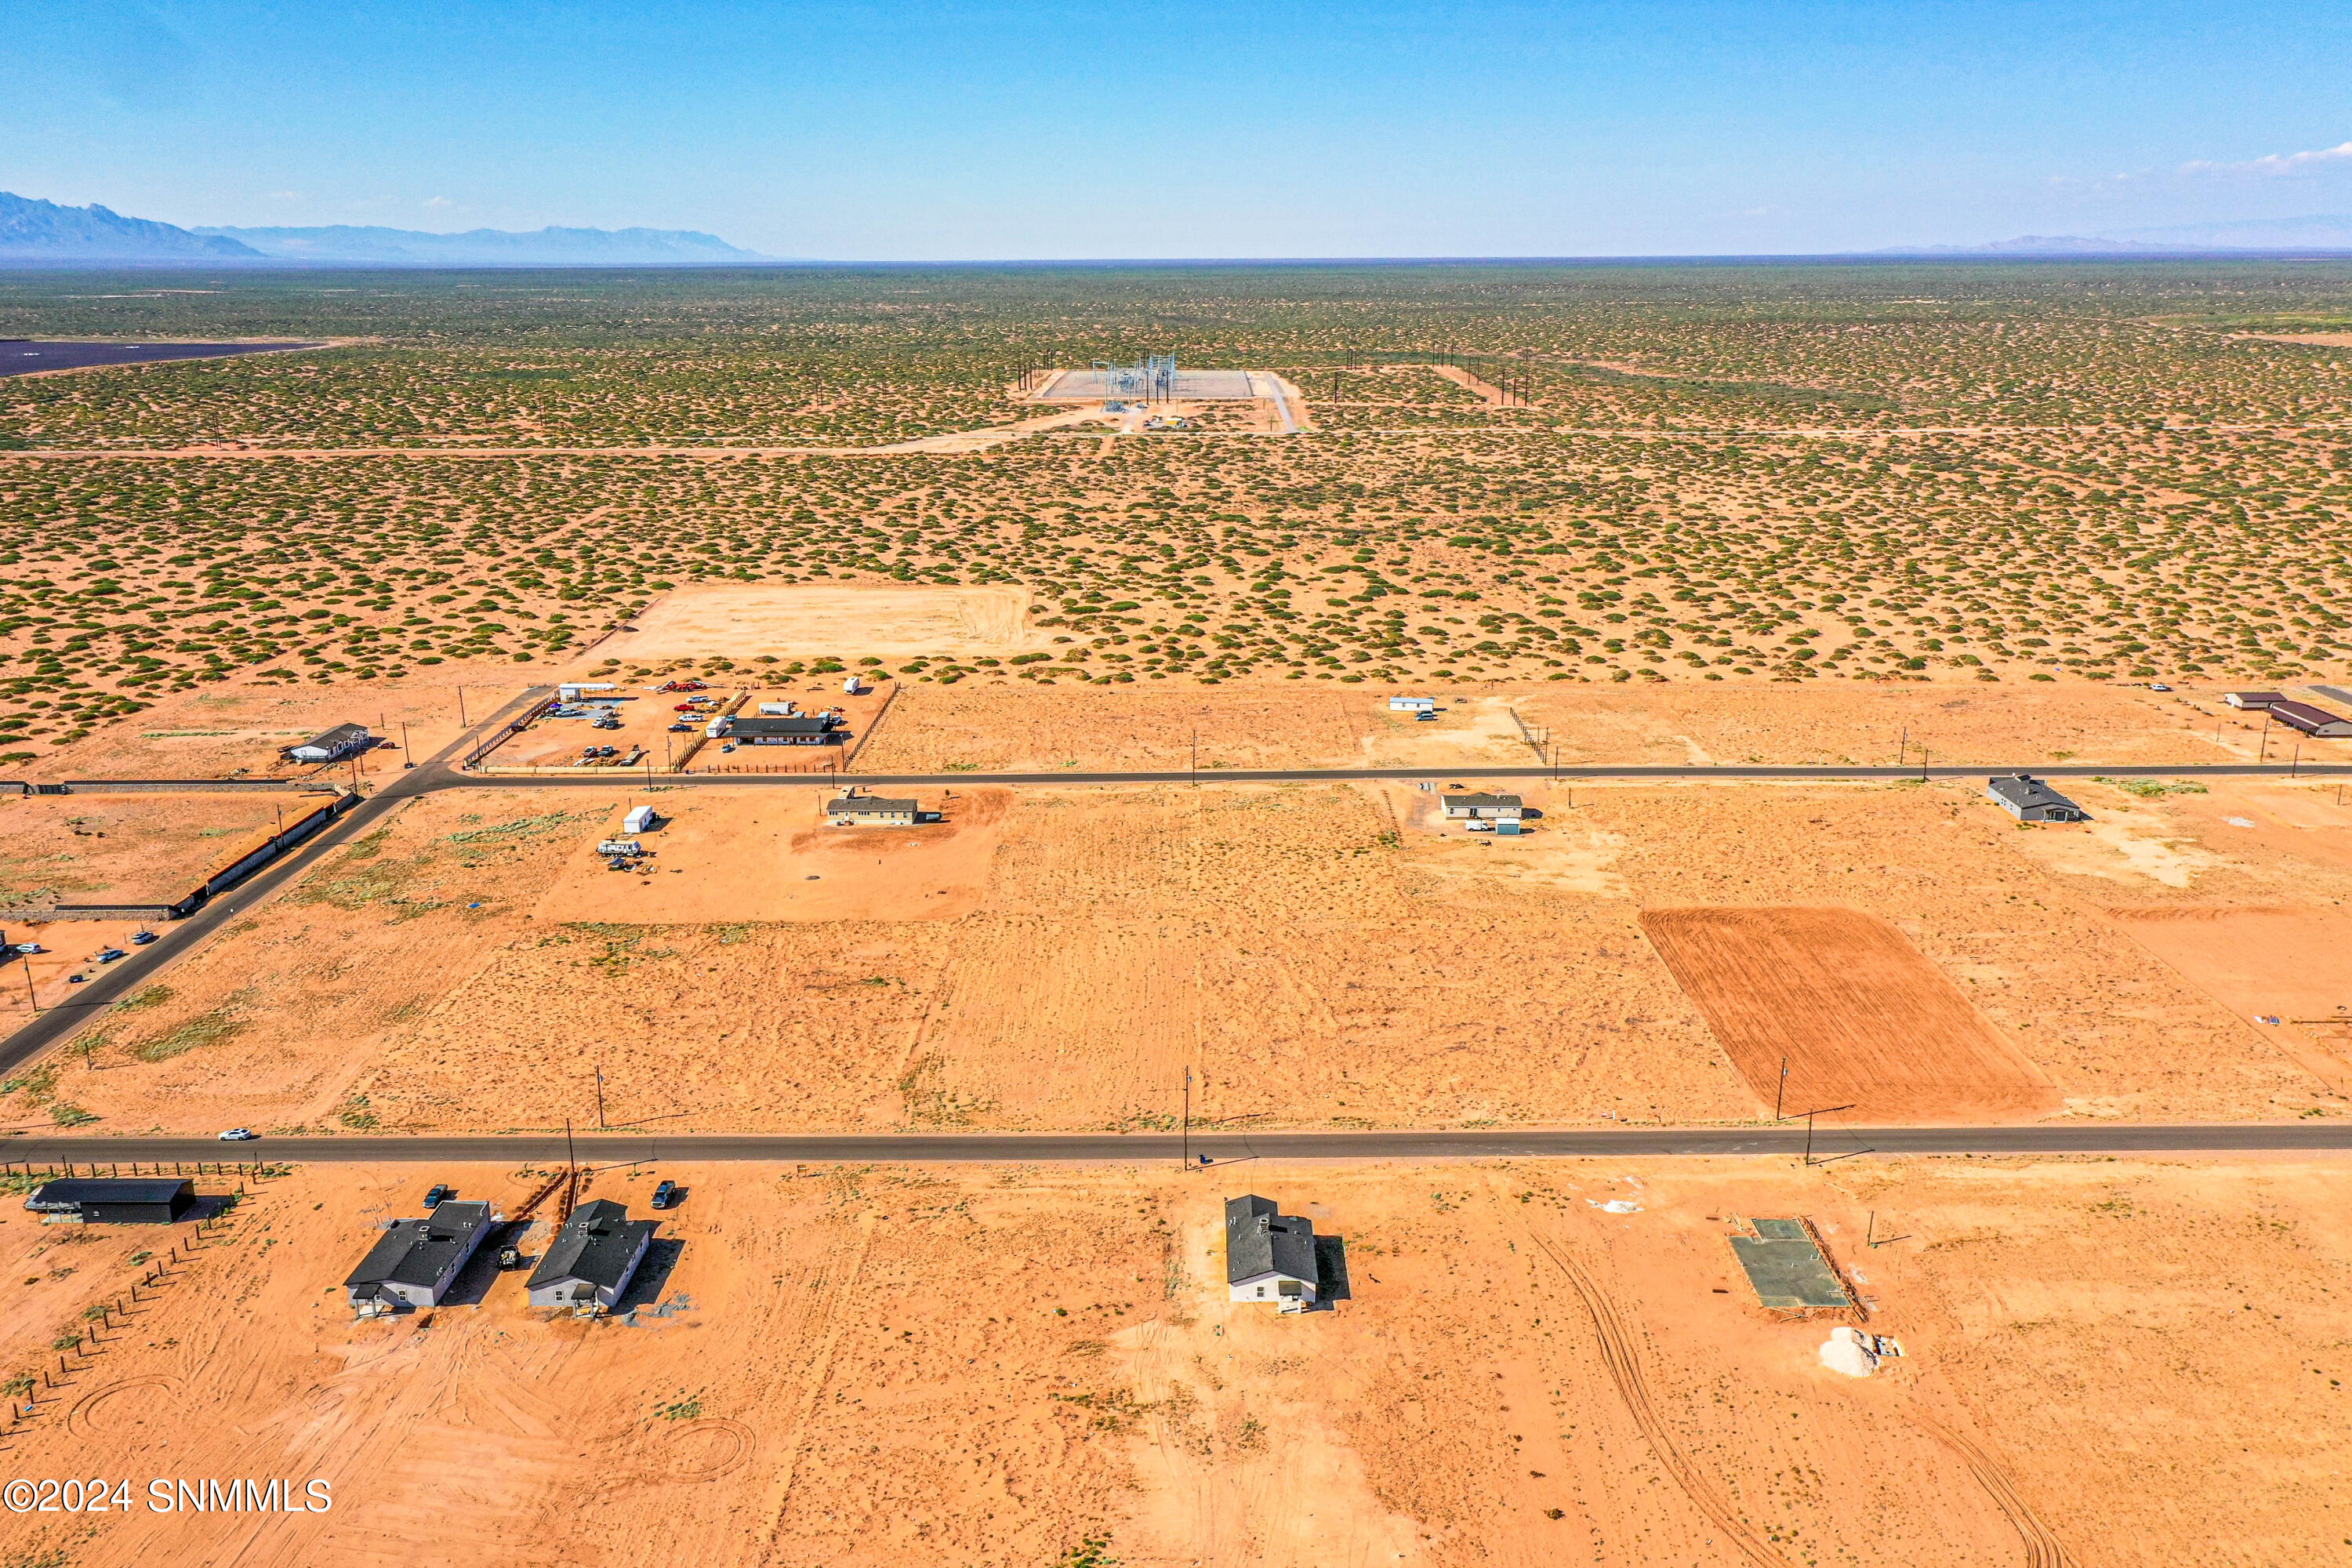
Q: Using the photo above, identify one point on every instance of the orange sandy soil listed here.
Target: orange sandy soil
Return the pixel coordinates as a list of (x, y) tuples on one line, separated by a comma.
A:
[(2130, 1362), (230, 729), (108, 848), (1318, 956), (841, 619), (992, 727), (127, 848)]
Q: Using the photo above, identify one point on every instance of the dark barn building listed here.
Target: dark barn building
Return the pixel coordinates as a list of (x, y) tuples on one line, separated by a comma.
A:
[(117, 1200), (786, 732)]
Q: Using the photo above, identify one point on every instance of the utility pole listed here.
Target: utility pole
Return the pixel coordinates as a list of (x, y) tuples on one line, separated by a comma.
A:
[(1809, 1140), (1196, 759), (461, 708), (2264, 754), (1188, 1118), (2297, 762), (600, 1097), (405, 761), (31, 999), (1780, 1093)]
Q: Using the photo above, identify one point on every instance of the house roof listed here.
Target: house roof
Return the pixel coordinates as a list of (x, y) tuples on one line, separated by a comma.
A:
[(1484, 801), (1260, 1240), (2255, 699), (596, 1245), (421, 1251), (71, 1194), (868, 806), (340, 735), (2027, 791)]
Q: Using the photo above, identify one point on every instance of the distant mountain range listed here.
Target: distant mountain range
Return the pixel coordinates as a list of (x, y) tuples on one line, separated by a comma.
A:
[(43, 231), (2255, 235), (484, 246), (32, 231)]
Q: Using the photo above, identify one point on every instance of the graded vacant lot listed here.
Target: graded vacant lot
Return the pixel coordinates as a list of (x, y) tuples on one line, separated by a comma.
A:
[(1534, 1364), (237, 729), (993, 726), (1832, 1010), (729, 856), (1317, 955), (745, 622)]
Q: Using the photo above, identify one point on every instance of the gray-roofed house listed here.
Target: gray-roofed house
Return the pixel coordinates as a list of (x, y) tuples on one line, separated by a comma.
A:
[(2251, 699), (417, 1260), (866, 810), (592, 1258), (2028, 799), (1485, 808), (116, 1200), (1269, 1255), (342, 741)]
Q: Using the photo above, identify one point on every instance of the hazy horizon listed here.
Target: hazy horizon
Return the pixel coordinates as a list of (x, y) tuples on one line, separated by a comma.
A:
[(984, 132)]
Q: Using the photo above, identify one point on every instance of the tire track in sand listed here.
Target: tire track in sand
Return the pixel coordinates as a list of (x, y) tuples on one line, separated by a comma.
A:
[(2042, 1547), (840, 1284), (1619, 1355)]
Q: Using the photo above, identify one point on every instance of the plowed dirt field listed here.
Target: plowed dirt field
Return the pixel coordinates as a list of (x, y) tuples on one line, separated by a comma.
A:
[(1865, 1027)]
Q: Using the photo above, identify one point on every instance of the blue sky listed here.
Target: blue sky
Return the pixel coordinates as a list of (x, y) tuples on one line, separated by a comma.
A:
[(986, 130)]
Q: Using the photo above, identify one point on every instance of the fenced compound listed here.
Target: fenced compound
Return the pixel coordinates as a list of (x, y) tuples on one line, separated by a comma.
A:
[(1154, 379)]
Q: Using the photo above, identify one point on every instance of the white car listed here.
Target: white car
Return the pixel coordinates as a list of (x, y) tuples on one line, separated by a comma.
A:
[(238, 1135)]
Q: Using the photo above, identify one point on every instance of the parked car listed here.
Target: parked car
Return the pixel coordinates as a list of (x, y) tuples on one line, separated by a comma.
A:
[(143, 937), (438, 1193), (617, 863), (509, 1256), (681, 728), (1478, 826), (110, 955), (238, 1135), (666, 1196), (2157, 686)]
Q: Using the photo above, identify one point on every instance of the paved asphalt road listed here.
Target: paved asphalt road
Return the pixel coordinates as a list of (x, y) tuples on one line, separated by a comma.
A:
[(118, 980), (180, 937), (1784, 1139), (620, 779)]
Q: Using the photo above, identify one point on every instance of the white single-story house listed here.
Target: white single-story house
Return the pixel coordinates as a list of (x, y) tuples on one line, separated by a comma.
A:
[(592, 1258), (1269, 1255), (417, 1260), (2028, 799), (1485, 808), (1412, 705), (342, 741)]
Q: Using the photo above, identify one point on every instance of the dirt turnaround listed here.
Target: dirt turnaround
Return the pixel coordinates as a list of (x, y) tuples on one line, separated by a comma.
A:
[(1860, 1020)]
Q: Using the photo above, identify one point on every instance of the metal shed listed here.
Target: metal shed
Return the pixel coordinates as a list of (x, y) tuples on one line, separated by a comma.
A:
[(2311, 720)]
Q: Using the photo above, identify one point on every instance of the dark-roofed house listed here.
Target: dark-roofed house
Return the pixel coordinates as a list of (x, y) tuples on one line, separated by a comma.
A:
[(1485, 807), (592, 1258), (342, 741), (117, 1200), (2251, 699), (2311, 720), (2028, 799), (798, 731), (1269, 1255), (416, 1261), (860, 810)]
